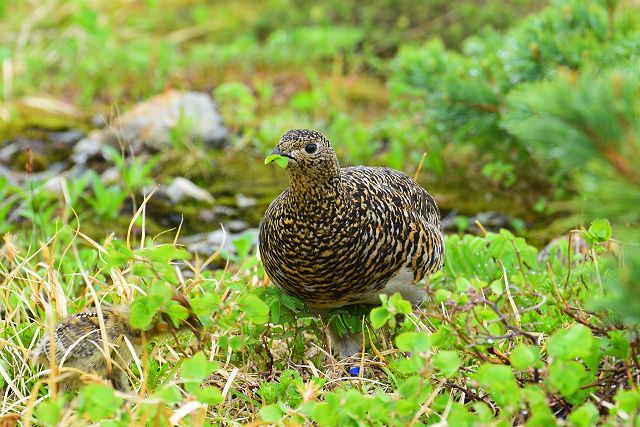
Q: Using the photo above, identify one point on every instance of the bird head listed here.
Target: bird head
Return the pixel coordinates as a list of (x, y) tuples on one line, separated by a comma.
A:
[(305, 152)]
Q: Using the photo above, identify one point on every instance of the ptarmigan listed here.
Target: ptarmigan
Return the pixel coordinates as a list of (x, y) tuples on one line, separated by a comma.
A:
[(342, 236)]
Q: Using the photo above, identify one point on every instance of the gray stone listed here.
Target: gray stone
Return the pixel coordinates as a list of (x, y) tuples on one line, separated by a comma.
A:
[(243, 201), (67, 137), (110, 176), (236, 225), (181, 188), (208, 243), (149, 124)]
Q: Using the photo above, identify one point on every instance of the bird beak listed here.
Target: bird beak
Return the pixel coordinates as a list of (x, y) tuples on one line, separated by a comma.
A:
[(281, 158)]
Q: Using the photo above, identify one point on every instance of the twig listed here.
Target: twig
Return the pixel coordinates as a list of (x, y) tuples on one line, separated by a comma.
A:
[(481, 227), (509, 297), (415, 175)]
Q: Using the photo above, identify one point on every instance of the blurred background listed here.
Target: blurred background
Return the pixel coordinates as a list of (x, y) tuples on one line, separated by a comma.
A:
[(122, 95), (147, 122)]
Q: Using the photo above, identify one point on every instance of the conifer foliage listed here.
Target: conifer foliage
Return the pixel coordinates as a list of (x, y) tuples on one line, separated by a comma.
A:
[(559, 94)]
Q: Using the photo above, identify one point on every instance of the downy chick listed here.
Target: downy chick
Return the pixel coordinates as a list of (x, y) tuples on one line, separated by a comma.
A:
[(78, 345)]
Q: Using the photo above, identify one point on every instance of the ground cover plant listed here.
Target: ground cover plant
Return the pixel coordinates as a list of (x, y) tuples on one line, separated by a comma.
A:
[(540, 120)]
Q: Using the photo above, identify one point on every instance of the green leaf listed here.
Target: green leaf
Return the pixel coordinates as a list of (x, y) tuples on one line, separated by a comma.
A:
[(280, 160), (406, 407), (399, 304), (443, 337), (570, 343), (143, 310), (566, 377), (413, 341), (118, 255), (409, 365), (197, 368), (177, 313), (535, 396), (274, 308), (256, 310), (618, 345), (584, 416), (209, 395), (443, 295), (236, 343), (49, 411), (325, 414), (628, 400), (460, 416), (379, 317), (462, 284), (292, 303), (170, 394), (243, 243), (98, 401), (165, 253), (524, 356), (600, 230), (483, 411), (447, 362), (271, 413), (345, 322), (162, 291), (205, 305), (410, 387), (501, 248), (501, 384), (592, 360)]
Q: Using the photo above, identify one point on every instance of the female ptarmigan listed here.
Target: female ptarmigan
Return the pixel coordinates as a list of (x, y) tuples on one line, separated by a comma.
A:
[(342, 236)]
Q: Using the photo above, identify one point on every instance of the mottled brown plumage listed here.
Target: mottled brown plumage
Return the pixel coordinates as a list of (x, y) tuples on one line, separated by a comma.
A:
[(341, 236), (78, 344)]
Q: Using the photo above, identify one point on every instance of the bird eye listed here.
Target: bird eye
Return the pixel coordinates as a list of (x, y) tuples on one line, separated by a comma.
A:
[(311, 148)]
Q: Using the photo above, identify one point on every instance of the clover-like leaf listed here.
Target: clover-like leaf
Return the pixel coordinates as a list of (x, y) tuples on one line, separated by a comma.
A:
[(280, 160)]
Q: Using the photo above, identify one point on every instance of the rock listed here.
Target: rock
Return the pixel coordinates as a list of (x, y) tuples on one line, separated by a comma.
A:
[(207, 216), (39, 148), (59, 183), (99, 120), (222, 210), (19, 178), (7, 173), (236, 225), (217, 214), (491, 221), (111, 176), (7, 152), (208, 243), (243, 201), (182, 188), (67, 137), (562, 246), (149, 124), (56, 185), (14, 153)]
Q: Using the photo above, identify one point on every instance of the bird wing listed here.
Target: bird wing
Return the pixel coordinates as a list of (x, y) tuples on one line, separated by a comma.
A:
[(401, 200), (397, 188)]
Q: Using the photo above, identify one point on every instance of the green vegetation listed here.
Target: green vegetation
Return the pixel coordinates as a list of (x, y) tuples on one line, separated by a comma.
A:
[(540, 120)]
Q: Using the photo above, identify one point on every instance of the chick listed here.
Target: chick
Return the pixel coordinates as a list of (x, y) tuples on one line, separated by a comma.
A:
[(78, 345)]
